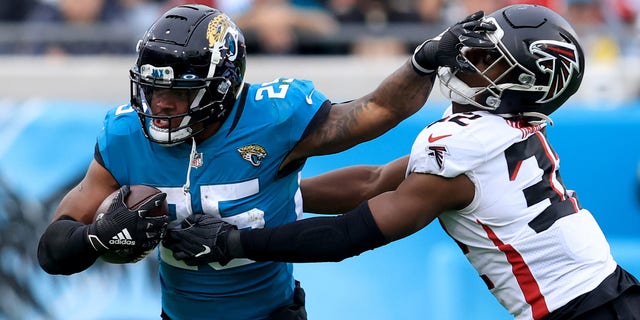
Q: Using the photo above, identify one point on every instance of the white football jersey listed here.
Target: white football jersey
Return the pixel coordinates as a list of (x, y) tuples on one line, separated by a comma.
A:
[(524, 232)]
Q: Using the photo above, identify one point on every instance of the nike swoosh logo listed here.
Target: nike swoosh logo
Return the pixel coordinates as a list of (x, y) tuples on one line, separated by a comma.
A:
[(308, 98), (436, 138), (203, 252)]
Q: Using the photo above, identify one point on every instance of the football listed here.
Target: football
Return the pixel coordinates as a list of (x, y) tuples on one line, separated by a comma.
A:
[(138, 194)]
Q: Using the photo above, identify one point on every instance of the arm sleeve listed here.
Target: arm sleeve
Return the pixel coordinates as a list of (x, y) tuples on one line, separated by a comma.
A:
[(63, 249), (321, 239)]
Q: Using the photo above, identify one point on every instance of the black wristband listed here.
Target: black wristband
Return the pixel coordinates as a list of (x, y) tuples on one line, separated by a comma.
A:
[(63, 248), (315, 239), (234, 244)]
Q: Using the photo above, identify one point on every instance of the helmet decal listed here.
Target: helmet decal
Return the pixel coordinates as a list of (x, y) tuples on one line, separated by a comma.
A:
[(560, 60), (222, 35)]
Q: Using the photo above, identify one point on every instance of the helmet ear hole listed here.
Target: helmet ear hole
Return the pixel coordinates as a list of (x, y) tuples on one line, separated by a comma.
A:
[(527, 79)]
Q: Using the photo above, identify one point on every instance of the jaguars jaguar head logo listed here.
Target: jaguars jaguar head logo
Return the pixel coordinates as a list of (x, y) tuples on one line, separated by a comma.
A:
[(222, 35), (253, 153)]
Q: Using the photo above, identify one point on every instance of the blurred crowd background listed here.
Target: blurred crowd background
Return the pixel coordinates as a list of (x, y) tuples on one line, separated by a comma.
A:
[(609, 28), (65, 62)]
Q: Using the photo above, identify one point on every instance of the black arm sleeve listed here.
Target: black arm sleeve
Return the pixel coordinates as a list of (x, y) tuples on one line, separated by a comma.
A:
[(315, 239), (63, 248)]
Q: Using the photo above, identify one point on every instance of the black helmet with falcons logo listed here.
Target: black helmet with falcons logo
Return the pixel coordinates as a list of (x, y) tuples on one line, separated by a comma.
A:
[(545, 64)]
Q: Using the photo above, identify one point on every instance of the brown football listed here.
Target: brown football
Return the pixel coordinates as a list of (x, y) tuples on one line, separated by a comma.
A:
[(138, 194)]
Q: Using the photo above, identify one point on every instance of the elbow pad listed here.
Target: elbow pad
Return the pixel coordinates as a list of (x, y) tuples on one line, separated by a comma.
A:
[(63, 249)]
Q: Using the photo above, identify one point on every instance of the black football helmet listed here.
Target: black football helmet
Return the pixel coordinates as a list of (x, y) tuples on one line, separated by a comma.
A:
[(546, 65), (197, 51)]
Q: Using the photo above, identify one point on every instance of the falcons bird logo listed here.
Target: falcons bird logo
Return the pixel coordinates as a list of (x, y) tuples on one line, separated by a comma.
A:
[(560, 61), (437, 153)]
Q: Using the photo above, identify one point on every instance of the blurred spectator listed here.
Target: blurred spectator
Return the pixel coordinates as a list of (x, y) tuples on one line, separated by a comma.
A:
[(65, 19), (273, 26), (555, 5), (345, 10), (621, 16), (371, 46), (430, 11), (232, 8), (584, 14), (380, 21), (140, 14), (624, 10), (379, 14), (15, 10), (11, 13), (588, 20), (461, 8), (610, 28), (606, 26)]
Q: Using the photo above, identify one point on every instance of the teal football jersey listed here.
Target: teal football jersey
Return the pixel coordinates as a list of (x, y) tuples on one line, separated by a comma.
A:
[(233, 175)]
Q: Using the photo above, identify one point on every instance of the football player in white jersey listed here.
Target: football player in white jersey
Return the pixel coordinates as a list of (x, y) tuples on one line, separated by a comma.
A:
[(487, 171)]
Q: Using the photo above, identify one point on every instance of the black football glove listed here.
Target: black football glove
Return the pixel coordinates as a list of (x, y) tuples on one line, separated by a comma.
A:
[(200, 239), (129, 230), (445, 49)]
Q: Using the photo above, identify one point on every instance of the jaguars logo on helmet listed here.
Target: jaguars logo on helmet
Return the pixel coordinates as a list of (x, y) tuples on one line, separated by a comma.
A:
[(222, 36)]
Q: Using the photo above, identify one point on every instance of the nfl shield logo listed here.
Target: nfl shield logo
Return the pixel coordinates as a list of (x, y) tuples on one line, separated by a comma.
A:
[(196, 161)]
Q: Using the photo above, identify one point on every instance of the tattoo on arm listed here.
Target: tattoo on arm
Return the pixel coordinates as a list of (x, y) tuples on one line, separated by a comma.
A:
[(337, 132)]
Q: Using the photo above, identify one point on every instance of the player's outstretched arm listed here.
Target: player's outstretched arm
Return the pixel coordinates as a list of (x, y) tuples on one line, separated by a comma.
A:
[(388, 217), (398, 96), (341, 190)]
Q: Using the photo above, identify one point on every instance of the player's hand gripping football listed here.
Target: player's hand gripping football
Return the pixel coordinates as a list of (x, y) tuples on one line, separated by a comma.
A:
[(123, 228), (445, 49), (200, 239)]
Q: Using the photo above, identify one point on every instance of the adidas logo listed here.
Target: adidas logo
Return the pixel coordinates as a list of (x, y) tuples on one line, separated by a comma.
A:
[(123, 237)]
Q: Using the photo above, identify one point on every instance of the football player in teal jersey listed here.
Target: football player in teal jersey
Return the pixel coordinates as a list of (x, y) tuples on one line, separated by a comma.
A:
[(219, 147)]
